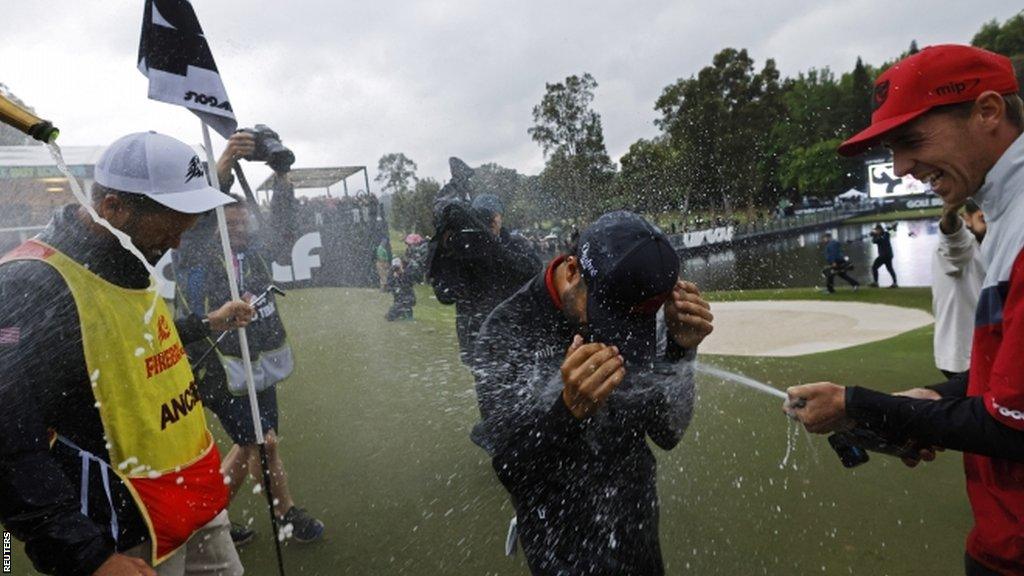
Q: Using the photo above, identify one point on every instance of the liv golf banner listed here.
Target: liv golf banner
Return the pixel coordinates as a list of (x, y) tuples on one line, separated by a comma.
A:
[(174, 55)]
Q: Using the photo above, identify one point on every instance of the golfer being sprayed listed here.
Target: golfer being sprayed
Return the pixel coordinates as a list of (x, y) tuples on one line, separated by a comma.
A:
[(573, 373)]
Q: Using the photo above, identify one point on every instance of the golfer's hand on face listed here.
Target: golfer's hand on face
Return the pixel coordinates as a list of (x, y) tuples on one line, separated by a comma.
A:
[(687, 316), (589, 374), (820, 407), (234, 314), (121, 565)]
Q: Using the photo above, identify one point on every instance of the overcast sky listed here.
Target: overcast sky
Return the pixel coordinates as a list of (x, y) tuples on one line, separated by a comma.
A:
[(346, 82)]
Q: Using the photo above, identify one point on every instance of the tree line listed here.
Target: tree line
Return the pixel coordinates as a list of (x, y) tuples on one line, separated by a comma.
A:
[(734, 136)]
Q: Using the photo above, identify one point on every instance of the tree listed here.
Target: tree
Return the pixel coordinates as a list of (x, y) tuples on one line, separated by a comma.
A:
[(578, 169), (858, 88), (720, 121), (652, 179), (815, 169), (396, 173), (10, 136), (1007, 39), (412, 210)]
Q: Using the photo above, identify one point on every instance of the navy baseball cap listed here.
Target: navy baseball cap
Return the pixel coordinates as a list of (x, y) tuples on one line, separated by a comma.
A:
[(630, 269)]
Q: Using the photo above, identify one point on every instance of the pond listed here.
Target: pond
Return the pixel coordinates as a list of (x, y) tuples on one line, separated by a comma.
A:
[(797, 261)]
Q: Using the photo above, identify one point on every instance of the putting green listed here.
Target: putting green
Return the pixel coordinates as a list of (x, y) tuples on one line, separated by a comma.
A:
[(374, 434)]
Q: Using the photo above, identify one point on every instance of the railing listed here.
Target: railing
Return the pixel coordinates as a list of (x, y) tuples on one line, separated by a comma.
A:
[(728, 233), (800, 221)]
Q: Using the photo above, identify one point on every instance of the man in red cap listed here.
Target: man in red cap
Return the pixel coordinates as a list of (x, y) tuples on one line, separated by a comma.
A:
[(952, 117)]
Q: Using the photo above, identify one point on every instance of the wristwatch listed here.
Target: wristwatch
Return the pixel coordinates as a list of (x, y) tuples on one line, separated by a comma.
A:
[(205, 320)]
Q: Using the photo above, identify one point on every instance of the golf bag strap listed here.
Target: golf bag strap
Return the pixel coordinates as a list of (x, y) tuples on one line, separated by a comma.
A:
[(87, 459)]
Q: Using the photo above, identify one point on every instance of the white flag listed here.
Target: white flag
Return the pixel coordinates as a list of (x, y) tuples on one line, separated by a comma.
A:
[(174, 55)]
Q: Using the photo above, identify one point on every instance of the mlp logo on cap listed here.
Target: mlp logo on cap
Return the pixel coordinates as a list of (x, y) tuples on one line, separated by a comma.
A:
[(881, 95)]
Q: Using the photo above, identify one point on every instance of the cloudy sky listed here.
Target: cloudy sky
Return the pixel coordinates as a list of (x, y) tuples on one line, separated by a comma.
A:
[(345, 82)]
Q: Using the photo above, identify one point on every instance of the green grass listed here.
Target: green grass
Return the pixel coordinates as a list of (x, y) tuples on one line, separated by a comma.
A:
[(374, 435), (920, 298), (917, 214)]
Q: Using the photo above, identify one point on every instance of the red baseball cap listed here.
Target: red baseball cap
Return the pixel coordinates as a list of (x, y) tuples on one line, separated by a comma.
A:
[(935, 76)]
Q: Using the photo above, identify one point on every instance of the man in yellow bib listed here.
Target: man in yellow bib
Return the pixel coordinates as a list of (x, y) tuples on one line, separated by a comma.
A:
[(107, 467)]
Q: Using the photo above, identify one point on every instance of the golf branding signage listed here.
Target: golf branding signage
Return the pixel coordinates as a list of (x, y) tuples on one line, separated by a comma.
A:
[(883, 182), (698, 238), (304, 259), (931, 202)]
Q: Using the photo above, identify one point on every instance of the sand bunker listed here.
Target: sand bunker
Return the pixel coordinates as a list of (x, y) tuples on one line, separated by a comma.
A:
[(797, 327)]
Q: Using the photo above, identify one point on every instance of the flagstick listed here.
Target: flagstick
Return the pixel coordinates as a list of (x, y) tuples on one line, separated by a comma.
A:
[(243, 339)]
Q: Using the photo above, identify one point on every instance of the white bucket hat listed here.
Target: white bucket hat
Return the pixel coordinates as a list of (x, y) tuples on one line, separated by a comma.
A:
[(162, 168)]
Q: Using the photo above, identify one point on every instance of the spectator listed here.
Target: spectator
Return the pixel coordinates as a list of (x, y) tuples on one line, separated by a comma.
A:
[(382, 255), (957, 275)]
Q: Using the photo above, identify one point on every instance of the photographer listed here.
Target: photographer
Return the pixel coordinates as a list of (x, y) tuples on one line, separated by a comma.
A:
[(476, 263), (261, 144), (401, 281), (838, 264), (880, 237), (221, 376)]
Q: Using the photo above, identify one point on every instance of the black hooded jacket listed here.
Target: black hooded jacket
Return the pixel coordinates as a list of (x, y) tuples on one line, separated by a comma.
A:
[(476, 271), (584, 491), (44, 385)]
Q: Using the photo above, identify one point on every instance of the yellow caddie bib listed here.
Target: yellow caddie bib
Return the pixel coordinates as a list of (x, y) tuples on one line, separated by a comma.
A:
[(149, 405)]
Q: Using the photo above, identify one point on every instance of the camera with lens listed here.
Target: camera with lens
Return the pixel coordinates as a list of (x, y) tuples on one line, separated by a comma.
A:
[(269, 149)]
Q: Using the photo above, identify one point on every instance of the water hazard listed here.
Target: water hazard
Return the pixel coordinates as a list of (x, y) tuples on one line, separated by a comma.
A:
[(797, 261)]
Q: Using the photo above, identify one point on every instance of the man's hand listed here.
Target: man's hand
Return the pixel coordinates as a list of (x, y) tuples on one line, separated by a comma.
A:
[(820, 407), (950, 221), (920, 394), (925, 454), (589, 374), (687, 316), (234, 314), (121, 565), (240, 145)]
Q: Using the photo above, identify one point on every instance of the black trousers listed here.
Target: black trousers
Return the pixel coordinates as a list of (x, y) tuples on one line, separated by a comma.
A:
[(974, 568), (878, 263), (830, 278)]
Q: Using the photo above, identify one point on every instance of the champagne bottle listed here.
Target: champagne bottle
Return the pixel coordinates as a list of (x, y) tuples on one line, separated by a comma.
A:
[(18, 117)]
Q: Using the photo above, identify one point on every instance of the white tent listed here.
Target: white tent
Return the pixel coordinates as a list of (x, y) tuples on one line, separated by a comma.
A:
[(853, 194)]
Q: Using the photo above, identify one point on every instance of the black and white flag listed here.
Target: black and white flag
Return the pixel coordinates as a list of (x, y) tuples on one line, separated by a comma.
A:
[(174, 55)]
